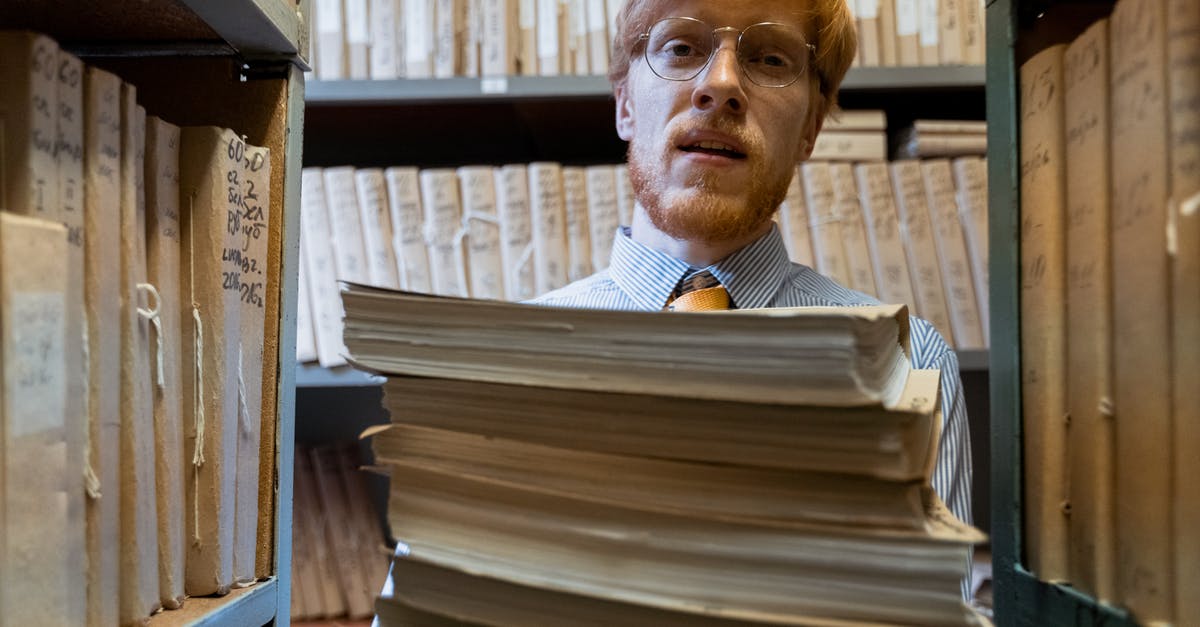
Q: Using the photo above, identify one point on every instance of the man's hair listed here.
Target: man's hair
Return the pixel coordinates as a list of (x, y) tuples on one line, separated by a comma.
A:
[(831, 28)]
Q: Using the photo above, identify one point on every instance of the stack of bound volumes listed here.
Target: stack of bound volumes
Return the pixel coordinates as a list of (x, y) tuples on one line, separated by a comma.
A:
[(554, 466)]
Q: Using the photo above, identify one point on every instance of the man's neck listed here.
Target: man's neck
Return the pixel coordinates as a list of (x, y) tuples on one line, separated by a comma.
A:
[(694, 253)]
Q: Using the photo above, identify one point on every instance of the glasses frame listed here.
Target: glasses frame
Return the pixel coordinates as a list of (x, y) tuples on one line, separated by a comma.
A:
[(645, 37)]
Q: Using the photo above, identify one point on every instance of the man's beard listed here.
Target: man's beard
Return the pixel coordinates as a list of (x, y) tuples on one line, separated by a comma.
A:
[(700, 212)]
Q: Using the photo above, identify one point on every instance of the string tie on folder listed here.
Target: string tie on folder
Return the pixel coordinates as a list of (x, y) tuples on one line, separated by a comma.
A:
[(198, 453), (152, 314), (243, 410), (91, 482)]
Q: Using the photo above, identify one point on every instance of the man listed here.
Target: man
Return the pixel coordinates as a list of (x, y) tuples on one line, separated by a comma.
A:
[(719, 99)]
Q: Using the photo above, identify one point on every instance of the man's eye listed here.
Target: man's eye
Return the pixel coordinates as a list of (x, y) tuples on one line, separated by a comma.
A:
[(680, 50), (774, 60)]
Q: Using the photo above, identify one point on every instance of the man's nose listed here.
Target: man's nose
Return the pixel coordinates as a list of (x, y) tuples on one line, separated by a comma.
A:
[(719, 85)]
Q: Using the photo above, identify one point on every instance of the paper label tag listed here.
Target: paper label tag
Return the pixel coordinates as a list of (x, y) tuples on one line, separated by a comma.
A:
[(38, 362), (906, 17), (495, 85)]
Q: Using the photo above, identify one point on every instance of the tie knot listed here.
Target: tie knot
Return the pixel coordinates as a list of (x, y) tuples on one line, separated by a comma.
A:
[(700, 291)]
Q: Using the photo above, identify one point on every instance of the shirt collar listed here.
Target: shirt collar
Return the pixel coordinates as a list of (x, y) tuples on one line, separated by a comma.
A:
[(752, 275)]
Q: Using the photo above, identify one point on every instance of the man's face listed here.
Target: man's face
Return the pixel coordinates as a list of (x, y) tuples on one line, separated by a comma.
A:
[(710, 158)]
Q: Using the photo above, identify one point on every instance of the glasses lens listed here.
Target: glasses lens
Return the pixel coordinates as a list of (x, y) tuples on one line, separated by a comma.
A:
[(677, 48), (773, 55)]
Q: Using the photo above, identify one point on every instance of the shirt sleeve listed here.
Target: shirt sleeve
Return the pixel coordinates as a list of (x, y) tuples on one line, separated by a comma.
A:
[(952, 471)]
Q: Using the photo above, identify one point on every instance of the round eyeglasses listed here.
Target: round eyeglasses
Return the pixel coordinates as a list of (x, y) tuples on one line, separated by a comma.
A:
[(770, 54)]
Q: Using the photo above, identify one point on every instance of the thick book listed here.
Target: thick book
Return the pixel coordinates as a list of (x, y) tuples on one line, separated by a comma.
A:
[(210, 161), (970, 183), (829, 252), (330, 39), (1183, 52), (669, 561), (908, 32), (33, 423), (338, 533), (358, 39), (371, 191), (102, 269), (916, 230), (163, 269), (68, 154), (829, 356), (962, 305), (868, 32), (139, 516), (444, 234), (1089, 318), (500, 42), (1043, 312), (883, 233), (408, 238), (1142, 380), (29, 109), (548, 225), (345, 225), (626, 200), (854, 231), (251, 245), (419, 32), (793, 222), (850, 146), (516, 232), (386, 52), (485, 265), (320, 270), (575, 201), (601, 190), (848, 441)]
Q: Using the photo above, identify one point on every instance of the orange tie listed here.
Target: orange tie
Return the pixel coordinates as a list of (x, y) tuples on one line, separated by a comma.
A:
[(699, 292)]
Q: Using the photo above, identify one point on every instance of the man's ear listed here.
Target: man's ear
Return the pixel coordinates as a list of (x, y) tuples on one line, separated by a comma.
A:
[(624, 111), (808, 141)]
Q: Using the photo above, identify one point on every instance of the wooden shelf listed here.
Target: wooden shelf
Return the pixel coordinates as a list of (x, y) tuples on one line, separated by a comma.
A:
[(371, 92), (243, 606), (252, 29), (311, 375)]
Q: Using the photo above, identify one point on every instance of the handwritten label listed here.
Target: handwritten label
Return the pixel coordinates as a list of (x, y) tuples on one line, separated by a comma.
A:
[(235, 152), (36, 358)]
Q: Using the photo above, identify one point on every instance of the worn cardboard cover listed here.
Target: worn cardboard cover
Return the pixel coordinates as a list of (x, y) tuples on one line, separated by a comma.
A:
[(321, 274), (345, 225), (579, 252), (952, 255), (916, 229), (548, 217), (883, 234), (102, 271), (970, 182), (443, 232), (33, 422), (1043, 310), (68, 152), (1141, 306), (163, 266), (139, 516), (482, 223), (408, 238), (1089, 319), (516, 231), (250, 244), (1183, 71), (854, 232), (372, 203), (601, 185), (210, 161), (823, 223)]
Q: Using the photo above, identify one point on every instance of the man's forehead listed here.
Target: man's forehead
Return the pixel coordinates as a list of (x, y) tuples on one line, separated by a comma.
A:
[(740, 13)]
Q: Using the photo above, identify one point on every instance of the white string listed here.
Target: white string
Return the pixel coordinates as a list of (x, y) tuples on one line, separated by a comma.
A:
[(524, 259), (153, 316), (244, 411), (198, 399), (91, 482)]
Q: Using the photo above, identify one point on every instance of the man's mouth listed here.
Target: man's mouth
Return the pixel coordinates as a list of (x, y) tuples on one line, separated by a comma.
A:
[(716, 148)]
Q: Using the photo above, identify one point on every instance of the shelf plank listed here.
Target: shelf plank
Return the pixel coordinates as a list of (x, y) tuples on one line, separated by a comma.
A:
[(367, 92), (243, 606), (311, 375), (255, 28)]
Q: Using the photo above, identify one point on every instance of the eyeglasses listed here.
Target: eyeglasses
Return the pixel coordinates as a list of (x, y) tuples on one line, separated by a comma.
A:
[(770, 54)]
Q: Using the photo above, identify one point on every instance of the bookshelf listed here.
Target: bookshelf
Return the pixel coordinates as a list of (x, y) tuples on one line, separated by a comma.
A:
[(1021, 598), (245, 58)]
